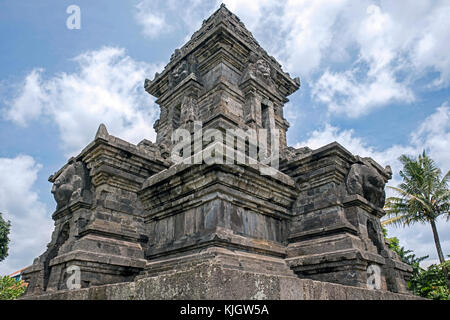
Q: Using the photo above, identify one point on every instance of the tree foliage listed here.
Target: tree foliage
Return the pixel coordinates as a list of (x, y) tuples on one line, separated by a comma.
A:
[(428, 283), (4, 240), (431, 283), (10, 288), (423, 195)]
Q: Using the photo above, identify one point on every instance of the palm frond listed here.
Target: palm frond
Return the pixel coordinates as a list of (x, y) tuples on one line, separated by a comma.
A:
[(392, 220), (422, 195), (414, 197)]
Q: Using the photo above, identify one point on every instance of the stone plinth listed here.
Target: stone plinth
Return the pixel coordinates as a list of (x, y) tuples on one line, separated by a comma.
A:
[(213, 281)]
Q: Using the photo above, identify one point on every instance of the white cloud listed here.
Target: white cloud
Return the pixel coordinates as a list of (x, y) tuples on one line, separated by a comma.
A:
[(108, 88), (419, 238), (161, 17), (371, 82), (329, 133), (356, 145), (345, 93), (153, 23), (19, 203), (373, 51), (296, 32), (432, 135), (432, 47), (30, 105), (250, 12)]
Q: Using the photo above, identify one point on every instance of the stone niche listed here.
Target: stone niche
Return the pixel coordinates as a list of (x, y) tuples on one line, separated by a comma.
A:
[(129, 214)]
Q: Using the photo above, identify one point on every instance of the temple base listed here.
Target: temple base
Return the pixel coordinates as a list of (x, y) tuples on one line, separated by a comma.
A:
[(213, 280)]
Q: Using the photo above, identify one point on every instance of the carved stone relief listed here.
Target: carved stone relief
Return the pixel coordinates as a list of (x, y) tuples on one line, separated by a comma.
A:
[(188, 110), (259, 68), (69, 184), (184, 68), (363, 179)]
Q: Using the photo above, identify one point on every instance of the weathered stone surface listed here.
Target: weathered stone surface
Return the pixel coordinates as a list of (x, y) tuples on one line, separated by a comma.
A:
[(212, 281), (70, 183), (335, 234), (139, 226), (365, 180)]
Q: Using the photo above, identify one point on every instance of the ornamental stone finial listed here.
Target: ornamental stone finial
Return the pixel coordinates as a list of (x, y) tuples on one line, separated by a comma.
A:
[(102, 132)]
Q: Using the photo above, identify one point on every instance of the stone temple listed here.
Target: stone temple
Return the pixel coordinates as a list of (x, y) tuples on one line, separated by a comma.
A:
[(138, 225)]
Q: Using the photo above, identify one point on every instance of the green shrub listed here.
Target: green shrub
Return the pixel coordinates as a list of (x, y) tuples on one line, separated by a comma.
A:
[(10, 288), (431, 283)]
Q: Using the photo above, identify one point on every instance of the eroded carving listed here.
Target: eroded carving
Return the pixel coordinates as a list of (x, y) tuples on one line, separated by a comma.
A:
[(182, 70), (52, 251), (259, 68), (364, 180), (292, 154), (69, 184), (188, 110)]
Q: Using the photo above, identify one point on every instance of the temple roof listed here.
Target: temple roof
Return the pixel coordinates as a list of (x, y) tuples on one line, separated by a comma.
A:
[(221, 19)]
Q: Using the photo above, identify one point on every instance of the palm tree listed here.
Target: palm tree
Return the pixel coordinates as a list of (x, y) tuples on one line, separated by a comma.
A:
[(423, 196)]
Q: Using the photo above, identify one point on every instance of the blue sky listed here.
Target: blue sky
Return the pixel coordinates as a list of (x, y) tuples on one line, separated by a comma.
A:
[(375, 77)]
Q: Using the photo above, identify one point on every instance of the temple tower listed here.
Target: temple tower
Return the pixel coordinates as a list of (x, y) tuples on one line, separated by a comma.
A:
[(224, 79)]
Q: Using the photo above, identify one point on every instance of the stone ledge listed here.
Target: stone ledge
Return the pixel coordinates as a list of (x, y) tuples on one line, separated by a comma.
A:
[(213, 282), (340, 256), (109, 259)]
